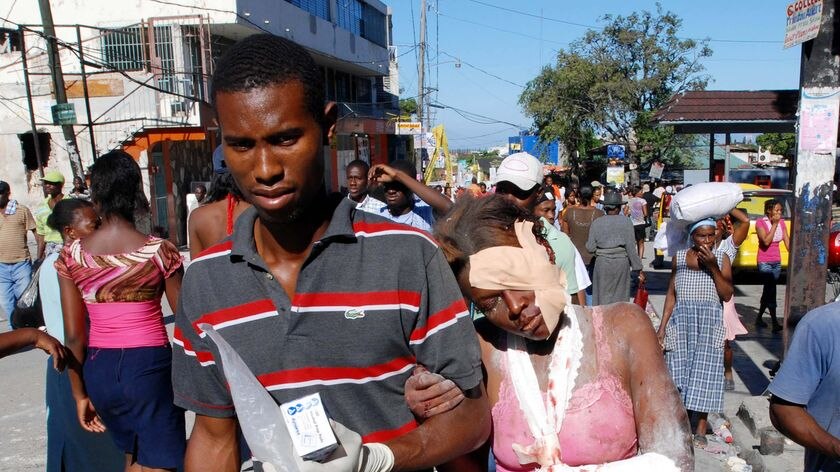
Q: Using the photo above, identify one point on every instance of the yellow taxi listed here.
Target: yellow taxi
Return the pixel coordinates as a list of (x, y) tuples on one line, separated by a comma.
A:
[(753, 204)]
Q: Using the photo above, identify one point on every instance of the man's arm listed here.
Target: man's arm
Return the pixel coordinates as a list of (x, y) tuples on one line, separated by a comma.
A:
[(13, 341), (445, 436), (433, 198), (212, 446), (795, 422)]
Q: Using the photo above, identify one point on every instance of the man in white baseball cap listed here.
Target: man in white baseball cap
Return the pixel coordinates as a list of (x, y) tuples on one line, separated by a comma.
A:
[(519, 177)]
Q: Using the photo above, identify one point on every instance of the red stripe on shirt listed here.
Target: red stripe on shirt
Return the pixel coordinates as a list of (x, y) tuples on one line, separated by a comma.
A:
[(369, 228), (443, 316), (202, 356), (221, 247), (357, 298), (388, 434), (234, 313), (307, 374)]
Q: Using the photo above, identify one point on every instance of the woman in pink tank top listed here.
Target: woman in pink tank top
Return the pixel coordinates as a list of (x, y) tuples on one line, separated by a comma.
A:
[(772, 232), (568, 385), (120, 363)]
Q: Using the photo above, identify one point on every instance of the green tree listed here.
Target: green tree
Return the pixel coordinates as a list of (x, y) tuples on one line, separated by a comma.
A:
[(408, 107), (778, 143), (610, 82)]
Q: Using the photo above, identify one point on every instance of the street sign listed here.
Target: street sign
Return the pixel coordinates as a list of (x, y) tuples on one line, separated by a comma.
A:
[(408, 127), (615, 151), (64, 114), (803, 21)]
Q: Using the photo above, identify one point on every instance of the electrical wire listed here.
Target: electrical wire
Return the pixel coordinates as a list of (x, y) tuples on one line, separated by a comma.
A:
[(502, 29), (478, 118), (595, 28), (482, 70)]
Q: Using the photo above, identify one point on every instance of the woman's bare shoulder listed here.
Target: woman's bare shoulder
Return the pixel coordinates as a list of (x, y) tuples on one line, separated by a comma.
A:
[(626, 323)]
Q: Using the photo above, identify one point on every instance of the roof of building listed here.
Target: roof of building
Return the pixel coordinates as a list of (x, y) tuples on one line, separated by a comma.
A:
[(736, 111)]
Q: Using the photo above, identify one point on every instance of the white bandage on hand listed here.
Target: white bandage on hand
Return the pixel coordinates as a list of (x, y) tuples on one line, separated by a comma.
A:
[(376, 457)]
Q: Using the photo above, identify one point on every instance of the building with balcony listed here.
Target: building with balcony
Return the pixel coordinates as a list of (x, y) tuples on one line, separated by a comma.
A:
[(137, 77)]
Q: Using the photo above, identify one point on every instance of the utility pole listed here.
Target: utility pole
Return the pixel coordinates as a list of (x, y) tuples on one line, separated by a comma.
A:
[(58, 85), (813, 170), (421, 68)]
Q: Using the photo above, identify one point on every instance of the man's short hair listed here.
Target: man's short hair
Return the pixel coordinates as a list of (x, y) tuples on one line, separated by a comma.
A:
[(264, 60), (359, 164), (4, 187)]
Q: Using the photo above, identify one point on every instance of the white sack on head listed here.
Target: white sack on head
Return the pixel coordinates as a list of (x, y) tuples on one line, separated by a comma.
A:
[(705, 200)]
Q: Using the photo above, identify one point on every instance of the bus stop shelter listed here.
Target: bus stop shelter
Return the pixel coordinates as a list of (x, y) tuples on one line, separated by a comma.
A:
[(727, 112)]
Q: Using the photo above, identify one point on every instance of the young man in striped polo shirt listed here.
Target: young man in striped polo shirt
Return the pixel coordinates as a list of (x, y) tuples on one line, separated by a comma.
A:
[(314, 295)]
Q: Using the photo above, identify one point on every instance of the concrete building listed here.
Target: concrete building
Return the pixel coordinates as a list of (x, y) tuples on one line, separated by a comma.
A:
[(137, 73)]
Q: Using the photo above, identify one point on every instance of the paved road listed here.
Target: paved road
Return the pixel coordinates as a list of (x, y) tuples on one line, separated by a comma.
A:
[(22, 412)]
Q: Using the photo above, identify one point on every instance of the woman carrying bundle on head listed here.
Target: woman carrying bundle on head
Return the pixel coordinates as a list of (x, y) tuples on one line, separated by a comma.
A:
[(692, 331)]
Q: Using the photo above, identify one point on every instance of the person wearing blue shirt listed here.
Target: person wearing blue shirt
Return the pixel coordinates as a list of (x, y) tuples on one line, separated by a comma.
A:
[(805, 405)]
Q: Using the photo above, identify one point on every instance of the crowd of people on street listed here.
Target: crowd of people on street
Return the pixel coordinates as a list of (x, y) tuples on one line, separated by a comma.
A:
[(489, 327)]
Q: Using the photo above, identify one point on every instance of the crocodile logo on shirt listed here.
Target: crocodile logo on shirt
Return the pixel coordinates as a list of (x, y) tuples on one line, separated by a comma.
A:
[(354, 314)]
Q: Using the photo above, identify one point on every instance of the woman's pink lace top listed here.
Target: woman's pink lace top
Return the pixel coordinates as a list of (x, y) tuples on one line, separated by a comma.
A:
[(599, 425)]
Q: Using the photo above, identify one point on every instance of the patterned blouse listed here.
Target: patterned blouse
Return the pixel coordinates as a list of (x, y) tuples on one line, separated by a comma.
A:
[(135, 276)]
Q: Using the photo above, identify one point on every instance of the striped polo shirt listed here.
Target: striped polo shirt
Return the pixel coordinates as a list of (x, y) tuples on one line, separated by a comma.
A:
[(373, 300)]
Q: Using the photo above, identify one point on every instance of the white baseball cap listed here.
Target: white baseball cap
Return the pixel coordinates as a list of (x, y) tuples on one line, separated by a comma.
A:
[(521, 169)]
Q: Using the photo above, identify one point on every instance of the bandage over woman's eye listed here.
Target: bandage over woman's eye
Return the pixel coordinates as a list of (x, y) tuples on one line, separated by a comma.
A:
[(522, 268)]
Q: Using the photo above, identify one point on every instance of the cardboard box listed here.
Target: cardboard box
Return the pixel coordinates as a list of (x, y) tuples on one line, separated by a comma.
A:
[(309, 427)]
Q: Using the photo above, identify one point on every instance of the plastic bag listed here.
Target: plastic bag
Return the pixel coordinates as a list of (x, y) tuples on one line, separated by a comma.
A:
[(660, 241), (705, 200), (259, 415), (27, 312)]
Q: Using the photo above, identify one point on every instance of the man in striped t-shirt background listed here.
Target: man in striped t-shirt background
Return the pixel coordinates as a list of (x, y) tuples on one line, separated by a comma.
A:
[(313, 294)]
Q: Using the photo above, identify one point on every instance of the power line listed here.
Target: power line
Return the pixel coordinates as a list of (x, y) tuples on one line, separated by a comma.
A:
[(465, 138), (541, 17), (501, 29), (477, 118), (482, 70), (594, 28)]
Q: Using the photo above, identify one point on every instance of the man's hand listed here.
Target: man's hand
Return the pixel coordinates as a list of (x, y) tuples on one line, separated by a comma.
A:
[(382, 173), (51, 346), (429, 394)]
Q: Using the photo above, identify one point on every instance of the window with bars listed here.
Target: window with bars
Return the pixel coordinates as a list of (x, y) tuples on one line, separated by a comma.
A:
[(124, 49), (319, 8)]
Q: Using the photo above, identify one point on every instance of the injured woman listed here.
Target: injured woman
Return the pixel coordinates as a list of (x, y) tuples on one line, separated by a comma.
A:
[(571, 388)]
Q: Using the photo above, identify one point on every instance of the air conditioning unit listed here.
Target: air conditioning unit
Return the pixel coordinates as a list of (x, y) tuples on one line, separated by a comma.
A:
[(764, 156)]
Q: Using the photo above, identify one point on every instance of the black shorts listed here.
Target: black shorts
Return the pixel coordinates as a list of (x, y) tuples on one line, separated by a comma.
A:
[(639, 231)]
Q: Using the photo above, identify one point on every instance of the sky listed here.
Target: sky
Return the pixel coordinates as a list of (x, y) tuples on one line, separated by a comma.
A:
[(501, 45)]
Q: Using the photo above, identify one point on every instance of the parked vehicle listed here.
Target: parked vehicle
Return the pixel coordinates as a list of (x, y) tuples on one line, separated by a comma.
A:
[(753, 204)]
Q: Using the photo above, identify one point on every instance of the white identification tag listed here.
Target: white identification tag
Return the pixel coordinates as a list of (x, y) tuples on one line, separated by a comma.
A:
[(309, 427)]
